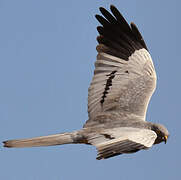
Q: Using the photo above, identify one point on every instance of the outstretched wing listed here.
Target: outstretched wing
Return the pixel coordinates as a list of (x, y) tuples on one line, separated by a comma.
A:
[(112, 142), (124, 77)]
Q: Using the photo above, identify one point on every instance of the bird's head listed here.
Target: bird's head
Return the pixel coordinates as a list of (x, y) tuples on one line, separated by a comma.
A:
[(162, 133)]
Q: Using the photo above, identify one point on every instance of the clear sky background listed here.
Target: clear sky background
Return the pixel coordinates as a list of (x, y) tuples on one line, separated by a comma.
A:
[(47, 55)]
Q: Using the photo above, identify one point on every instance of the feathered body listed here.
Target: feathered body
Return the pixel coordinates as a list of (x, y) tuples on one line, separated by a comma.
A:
[(123, 83)]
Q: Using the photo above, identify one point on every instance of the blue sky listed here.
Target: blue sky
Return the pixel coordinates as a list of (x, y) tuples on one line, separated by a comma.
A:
[(47, 54)]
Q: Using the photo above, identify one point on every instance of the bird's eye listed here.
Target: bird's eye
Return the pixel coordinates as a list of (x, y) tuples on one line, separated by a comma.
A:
[(158, 131)]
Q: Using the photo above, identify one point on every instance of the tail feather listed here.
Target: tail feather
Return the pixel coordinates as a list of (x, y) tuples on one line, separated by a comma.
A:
[(51, 140)]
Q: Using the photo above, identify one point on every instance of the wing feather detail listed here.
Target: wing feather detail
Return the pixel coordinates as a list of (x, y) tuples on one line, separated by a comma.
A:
[(112, 142), (124, 76), (132, 86)]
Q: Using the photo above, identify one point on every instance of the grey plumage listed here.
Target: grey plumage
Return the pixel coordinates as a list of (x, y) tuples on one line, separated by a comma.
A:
[(123, 83)]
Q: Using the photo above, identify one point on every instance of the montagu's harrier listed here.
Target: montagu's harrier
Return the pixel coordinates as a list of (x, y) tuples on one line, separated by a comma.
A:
[(123, 82)]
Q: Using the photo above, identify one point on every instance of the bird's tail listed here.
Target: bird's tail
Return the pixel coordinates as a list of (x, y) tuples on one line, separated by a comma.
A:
[(51, 140)]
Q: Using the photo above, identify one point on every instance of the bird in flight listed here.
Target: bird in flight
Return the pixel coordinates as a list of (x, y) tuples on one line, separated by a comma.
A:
[(123, 83)]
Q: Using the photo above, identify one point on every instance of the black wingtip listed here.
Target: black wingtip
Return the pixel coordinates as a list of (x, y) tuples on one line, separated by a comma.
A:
[(96, 16), (100, 29), (112, 6), (138, 35), (132, 24), (101, 9), (117, 35)]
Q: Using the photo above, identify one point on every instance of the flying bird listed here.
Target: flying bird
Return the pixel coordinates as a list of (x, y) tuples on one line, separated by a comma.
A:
[(123, 83)]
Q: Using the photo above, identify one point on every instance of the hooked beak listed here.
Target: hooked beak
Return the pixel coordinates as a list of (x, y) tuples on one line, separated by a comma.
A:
[(165, 139)]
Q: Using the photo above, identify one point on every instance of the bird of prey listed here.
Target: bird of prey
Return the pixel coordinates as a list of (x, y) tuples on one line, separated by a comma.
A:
[(123, 82)]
